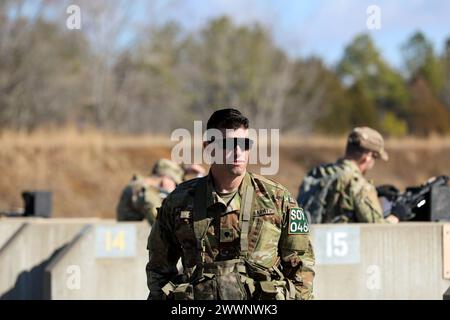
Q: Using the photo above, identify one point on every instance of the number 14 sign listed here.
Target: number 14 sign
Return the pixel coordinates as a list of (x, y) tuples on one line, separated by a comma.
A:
[(116, 241)]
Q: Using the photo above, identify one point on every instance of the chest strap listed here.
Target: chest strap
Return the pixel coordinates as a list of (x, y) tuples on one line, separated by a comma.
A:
[(246, 208), (201, 222)]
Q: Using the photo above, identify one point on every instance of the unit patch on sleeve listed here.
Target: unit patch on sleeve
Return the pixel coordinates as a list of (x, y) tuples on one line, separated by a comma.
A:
[(298, 224)]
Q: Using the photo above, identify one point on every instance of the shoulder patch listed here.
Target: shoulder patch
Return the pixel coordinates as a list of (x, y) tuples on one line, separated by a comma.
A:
[(292, 200), (298, 224), (185, 214)]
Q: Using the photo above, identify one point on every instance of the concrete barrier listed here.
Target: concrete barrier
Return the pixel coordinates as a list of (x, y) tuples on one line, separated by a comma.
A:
[(366, 261), (106, 261), (7, 229), (24, 257)]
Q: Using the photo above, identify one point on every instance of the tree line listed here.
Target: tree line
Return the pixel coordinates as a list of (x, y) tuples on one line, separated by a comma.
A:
[(167, 77)]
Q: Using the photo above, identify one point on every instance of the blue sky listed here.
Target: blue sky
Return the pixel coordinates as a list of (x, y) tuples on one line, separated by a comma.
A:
[(322, 27), (302, 28)]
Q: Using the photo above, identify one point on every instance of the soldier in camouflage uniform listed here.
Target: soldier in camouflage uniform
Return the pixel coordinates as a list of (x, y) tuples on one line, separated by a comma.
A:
[(239, 235), (144, 194), (349, 197)]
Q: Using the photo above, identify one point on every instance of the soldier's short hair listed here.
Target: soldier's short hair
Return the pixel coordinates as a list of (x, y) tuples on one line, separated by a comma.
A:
[(227, 119), (355, 151)]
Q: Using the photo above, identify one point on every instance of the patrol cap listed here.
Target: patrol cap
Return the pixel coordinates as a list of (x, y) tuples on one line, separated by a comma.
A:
[(369, 139), (165, 167)]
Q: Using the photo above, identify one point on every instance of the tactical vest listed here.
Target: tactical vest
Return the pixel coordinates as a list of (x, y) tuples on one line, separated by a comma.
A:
[(236, 279), (139, 201), (316, 194), (321, 191)]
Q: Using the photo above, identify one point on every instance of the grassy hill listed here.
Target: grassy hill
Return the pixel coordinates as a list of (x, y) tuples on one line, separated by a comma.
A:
[(86, 171)]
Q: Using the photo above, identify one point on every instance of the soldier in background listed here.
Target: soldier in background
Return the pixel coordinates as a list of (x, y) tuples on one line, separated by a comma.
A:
[(144, 194), (240, 235), (339, 192)]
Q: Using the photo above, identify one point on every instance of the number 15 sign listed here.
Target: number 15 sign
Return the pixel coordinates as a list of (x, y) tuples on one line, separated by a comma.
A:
[(337, 245)]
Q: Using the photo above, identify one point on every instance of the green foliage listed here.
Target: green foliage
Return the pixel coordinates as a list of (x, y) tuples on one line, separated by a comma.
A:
[(170, 77), (240, 66), (336, 106), (382, 85), (363, 111), (420, 60), (393, 126)]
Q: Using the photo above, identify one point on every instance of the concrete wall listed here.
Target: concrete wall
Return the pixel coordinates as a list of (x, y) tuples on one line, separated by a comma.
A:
[(24, 256), (395, 262), (106, 260), (7, 228)]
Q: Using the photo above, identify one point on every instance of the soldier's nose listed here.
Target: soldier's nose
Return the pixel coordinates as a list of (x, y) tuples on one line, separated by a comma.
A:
[(238, 153)]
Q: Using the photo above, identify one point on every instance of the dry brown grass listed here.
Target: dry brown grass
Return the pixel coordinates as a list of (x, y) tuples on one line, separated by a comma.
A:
[(87, 170)]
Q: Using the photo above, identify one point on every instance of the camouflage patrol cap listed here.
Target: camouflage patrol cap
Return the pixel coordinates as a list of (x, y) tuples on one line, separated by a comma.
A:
[(368, 139), (165, 167)]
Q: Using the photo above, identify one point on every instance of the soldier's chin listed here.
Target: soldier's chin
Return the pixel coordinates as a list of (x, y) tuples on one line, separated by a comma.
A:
[(237, 169)]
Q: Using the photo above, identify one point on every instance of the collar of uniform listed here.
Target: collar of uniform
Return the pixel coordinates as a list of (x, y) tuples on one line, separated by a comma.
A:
[(350, 164), (212, 197)]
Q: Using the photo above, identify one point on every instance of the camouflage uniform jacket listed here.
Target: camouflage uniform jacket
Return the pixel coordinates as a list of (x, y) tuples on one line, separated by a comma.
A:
[(352, 198), (272, 241), (139, 201)]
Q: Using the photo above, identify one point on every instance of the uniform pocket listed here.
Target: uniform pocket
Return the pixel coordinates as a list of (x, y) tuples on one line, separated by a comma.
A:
[(265, 237), (206, 288), (230, 287)]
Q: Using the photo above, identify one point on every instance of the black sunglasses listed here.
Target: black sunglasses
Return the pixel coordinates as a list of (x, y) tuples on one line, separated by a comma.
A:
[(376, 155), (232, 143)]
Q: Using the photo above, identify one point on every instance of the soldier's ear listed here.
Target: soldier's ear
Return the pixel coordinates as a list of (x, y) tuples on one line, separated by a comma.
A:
[(366, 157), (363, 159)]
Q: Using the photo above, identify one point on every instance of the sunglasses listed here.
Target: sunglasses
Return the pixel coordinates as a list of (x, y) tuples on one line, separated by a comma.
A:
[(232, 143), (376, 155)]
